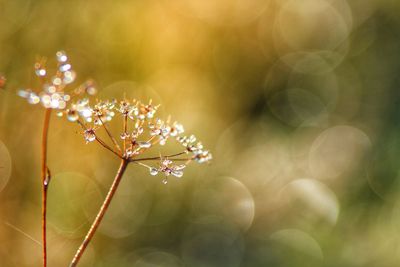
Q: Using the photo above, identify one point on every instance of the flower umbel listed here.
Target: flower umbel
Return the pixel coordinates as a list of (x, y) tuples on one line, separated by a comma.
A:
[(140, 132)]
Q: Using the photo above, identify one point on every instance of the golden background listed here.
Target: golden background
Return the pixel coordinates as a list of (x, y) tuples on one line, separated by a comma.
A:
[(297, 99)]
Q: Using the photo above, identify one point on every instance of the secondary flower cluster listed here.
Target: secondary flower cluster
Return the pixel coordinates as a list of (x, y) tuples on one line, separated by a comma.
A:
[(141, 131), (53, 87)]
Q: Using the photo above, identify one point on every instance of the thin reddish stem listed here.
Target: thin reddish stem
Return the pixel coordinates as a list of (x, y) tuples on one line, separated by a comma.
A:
[(109, 134), (45, 173), (100, 214), (101, 142)]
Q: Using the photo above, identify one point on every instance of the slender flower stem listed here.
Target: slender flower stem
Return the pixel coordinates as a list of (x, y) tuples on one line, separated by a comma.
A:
[(101, 213), (45, 182), (102, 143), (109, 134), (160, 157), (125, 130)]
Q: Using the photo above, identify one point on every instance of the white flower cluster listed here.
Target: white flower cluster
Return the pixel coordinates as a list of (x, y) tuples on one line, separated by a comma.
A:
[(53, 94), (141, 130), (145, 131)]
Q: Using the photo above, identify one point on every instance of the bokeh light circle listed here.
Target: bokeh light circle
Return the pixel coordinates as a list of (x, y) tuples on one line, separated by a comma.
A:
[(313, 199), (212, 245), (337, 150), (72, 193), (224, 199), (311, 25), (158, 258), (299, 241)]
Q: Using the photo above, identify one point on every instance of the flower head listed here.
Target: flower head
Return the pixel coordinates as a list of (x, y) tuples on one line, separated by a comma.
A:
[(141, 132), (54, 91)]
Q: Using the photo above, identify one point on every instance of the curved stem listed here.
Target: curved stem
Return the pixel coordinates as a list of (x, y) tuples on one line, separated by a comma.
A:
[(45, 173), (100, 214)]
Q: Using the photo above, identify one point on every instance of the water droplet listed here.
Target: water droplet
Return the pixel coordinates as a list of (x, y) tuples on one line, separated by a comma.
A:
[(65, 67), (24, 93), (51, 89), (86, 112), (62, 104), (55, 103), (165, 181), (69, 77), (144, 144), (33, 98), (178, 174), (61, 56), (180, 167), (40, 72), (72, 115), (124, 136), (153, 171), (163, 141), (89, 135), (57, 81), (91, 90)]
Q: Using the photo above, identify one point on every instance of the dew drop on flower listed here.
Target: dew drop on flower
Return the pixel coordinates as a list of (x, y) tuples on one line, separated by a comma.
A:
[(33, 98), (55, 103), (144, 144), (86, 112), (62, 104), (153, 171), (65, 67), (69, 77), (177, 173), (61, 56), (57, 81), (165, 181), (124, 136), (72, 115), (51, 89), (40, 72), (89, 135), (180, 167), (91, 90), (23, 93), (163, 141)]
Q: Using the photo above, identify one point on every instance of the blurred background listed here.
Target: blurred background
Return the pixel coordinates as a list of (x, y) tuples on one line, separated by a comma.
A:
[(297, 100)]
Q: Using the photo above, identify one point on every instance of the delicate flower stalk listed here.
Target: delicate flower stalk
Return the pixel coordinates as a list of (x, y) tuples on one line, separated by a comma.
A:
[(45, 184), (141, 132), (147, 132), (52, 96)]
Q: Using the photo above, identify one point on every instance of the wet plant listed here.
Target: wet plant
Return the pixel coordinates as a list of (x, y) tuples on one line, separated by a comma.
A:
[(141, 139), (54, 93), (141, 133)]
